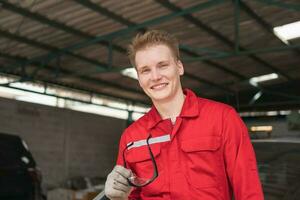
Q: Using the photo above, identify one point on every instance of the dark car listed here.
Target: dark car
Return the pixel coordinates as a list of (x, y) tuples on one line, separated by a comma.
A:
[(20, 179)]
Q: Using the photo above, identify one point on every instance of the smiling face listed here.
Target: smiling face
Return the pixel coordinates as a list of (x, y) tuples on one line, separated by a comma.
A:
[(159, 73)]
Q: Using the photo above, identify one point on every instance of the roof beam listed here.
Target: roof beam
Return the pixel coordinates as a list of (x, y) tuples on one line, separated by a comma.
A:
[(218, 35), (94, 7), (91, 61), (126, 22), (70, 30), (281, 4), (241, 53), (46, 82), (201, 80), (79, 100), (277, 95), (214, 64), (61, 26), (22, 39), (44, 20), (110, 36), (51, 48), (67, 73), (104, 11), (265, 25)]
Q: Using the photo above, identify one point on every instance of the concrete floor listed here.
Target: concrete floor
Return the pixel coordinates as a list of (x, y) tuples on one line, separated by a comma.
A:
[(279, 167)]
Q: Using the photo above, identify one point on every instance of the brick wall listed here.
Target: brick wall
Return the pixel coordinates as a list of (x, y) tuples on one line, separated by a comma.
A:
[(280, 126), (64, 143)]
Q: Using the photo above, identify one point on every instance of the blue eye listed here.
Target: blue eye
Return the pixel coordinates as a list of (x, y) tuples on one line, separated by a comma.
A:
[(163, 65), (145, 71)]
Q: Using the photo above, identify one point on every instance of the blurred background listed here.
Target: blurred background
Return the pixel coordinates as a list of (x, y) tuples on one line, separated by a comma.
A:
[(67, 89)]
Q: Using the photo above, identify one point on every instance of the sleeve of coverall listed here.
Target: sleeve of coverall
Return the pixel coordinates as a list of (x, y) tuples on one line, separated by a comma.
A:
[(135, 193), (240, 159)]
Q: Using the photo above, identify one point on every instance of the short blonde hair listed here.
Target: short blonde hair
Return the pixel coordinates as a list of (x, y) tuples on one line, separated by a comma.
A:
[(151, 38)]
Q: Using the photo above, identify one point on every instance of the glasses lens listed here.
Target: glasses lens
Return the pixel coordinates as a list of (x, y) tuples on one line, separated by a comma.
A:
[(148, 171), (138, 181)]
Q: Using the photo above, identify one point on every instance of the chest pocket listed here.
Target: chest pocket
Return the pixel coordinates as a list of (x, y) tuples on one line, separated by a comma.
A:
[(202, 161), (140, 163)]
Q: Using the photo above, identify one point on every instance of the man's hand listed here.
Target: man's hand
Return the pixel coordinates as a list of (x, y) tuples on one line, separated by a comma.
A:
[(116, 185)]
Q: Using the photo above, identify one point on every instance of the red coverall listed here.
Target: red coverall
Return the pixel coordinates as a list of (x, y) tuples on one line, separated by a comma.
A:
[(206, 154)]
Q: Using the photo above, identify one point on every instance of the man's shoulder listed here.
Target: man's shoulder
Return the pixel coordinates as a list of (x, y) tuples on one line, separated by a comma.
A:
[(204, 103), (209, 104), (138, 128)]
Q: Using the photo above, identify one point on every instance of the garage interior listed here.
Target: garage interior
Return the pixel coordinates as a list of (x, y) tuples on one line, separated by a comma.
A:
[(67, 87)]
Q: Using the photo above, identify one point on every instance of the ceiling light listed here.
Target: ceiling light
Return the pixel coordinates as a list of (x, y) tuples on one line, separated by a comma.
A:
[(255, 97), (130, 72), (253, 81), (288, 31), (6, 80), (261, 128), (28, 86)]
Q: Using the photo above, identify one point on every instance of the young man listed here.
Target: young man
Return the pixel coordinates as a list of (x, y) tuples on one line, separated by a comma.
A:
[(185, 147)]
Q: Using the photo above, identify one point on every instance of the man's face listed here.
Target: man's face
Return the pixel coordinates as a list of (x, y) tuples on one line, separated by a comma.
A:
[(159, 73)]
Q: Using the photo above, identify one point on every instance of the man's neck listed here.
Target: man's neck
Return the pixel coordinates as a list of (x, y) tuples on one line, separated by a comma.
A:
[(170, 109)]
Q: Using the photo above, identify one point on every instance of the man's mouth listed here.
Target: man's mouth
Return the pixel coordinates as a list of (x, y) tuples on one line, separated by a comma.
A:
[(159, 86)]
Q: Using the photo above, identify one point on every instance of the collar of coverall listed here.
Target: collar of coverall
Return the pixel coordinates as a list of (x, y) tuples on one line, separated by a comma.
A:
[(190, 108)]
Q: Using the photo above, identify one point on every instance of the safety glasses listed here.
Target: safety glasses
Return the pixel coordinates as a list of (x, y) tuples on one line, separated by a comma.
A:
[(136, 181)]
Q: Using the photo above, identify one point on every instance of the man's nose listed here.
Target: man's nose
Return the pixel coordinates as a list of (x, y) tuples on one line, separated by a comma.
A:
[(155, 75)]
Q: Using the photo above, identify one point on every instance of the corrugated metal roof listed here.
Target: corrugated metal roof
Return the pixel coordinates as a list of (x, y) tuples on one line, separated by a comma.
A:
[(45, 34)]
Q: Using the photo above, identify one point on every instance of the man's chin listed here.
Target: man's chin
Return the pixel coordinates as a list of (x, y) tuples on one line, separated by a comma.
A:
[(159, 98)]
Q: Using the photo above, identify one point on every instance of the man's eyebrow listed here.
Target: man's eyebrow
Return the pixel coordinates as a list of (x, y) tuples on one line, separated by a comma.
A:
[(141, 68), (163, 62), (146, 66)]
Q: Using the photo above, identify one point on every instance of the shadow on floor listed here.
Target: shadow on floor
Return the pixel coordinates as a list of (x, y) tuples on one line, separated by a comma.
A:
[(279, 168)]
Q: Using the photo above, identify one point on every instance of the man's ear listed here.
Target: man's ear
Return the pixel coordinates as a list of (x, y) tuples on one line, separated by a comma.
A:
[(138, 78), (180, 67), (139, 82)]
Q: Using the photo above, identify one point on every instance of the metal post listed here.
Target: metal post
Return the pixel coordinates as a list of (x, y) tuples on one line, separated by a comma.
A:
[(110, 54), (281, 4), (237, 26)]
